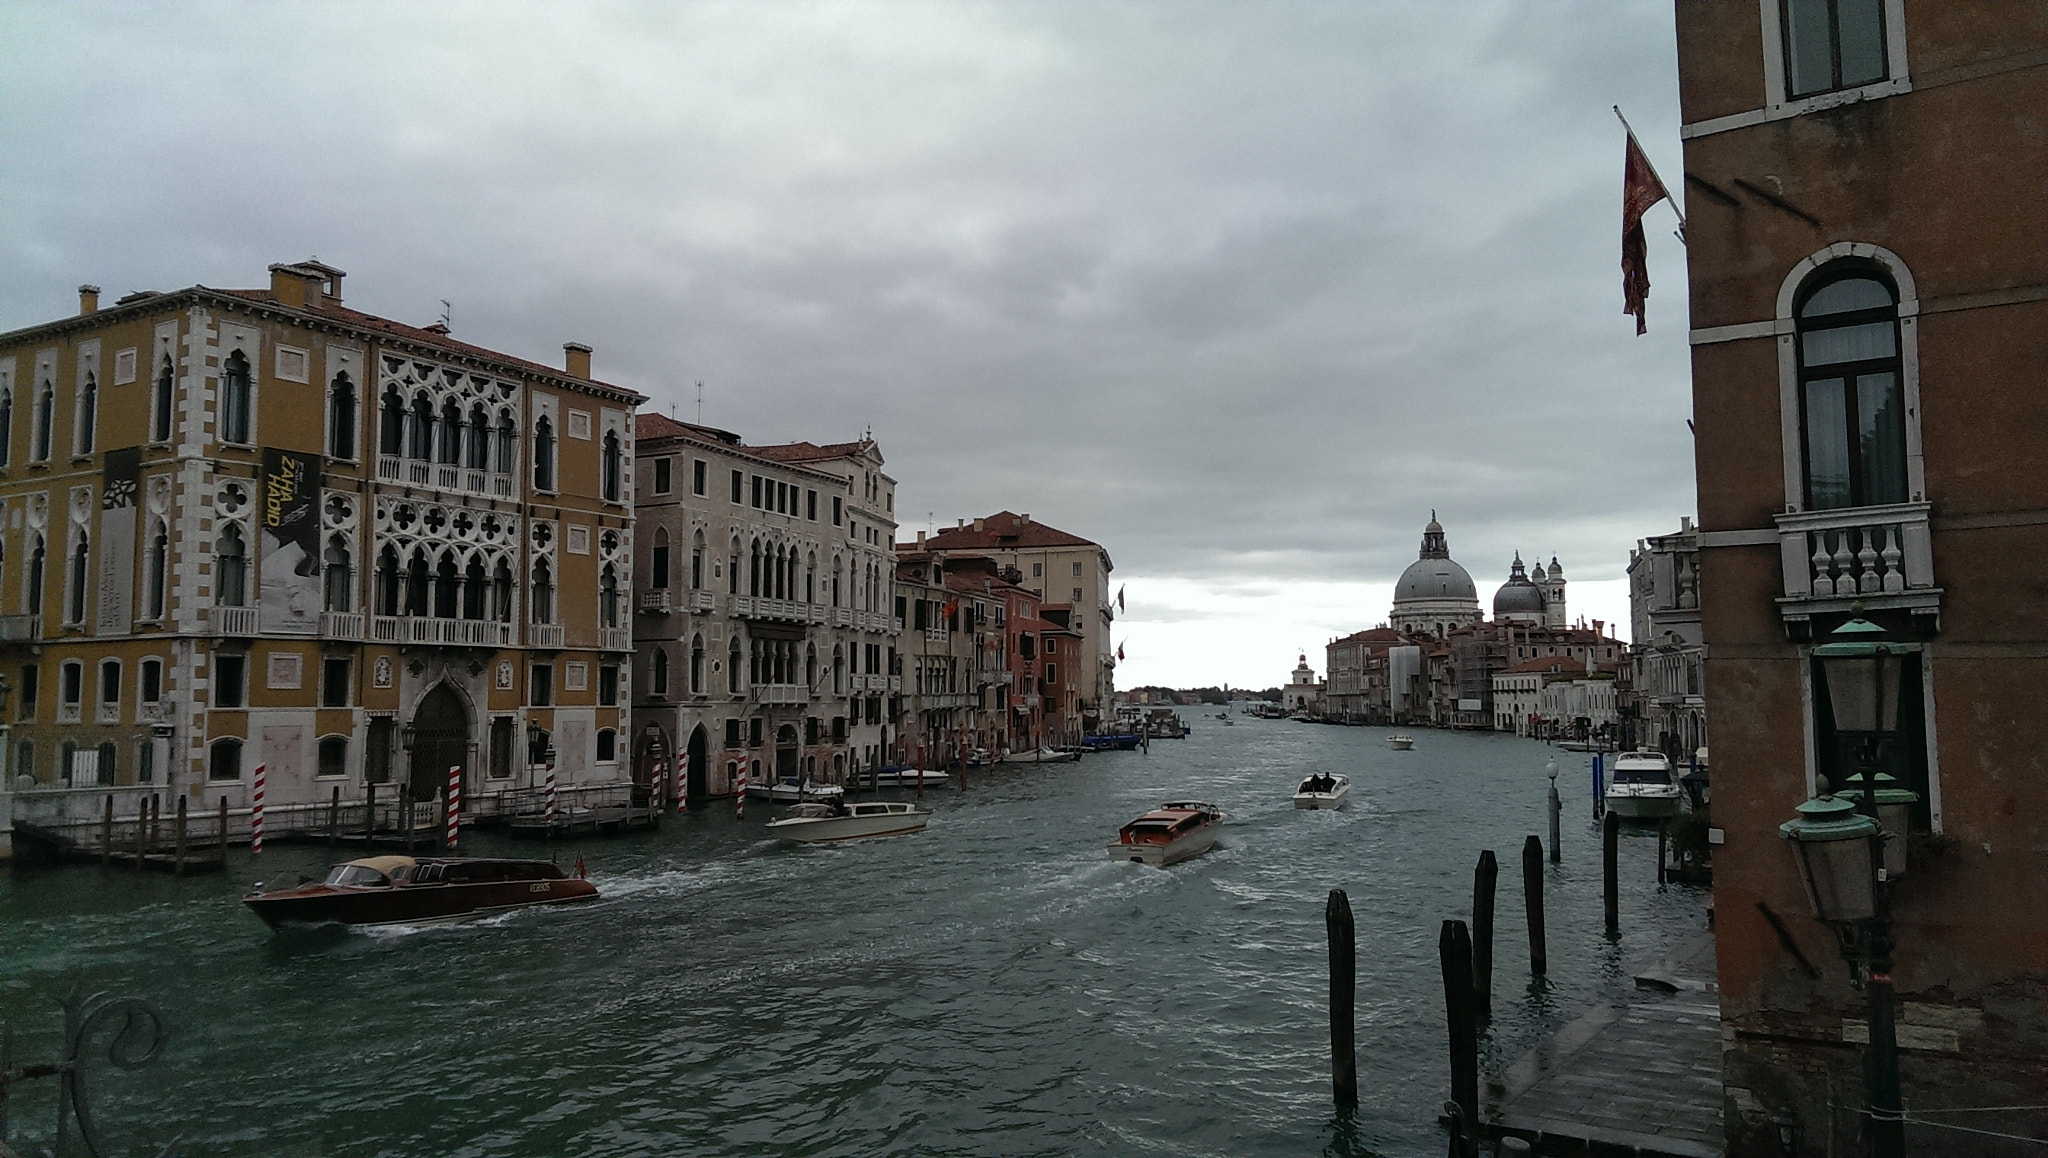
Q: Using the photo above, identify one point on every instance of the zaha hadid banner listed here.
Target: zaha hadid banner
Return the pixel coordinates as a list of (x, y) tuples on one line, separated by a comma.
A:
[(291, 542)]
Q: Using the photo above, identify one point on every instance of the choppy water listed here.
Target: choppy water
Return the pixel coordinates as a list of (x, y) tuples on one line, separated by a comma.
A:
[(993, 986)]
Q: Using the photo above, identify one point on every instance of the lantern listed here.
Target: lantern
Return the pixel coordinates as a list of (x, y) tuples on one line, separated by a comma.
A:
[(1832, 844)]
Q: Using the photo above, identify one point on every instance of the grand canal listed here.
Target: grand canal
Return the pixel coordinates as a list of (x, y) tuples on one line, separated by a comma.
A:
[(993, 986)]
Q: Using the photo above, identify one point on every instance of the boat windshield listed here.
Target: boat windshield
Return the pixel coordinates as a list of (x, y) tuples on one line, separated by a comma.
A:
[(356, 876), (1651, 774)]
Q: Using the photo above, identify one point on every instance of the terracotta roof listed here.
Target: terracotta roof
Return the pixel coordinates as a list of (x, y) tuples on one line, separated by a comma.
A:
[(811, 451), (646, 426), (1004, 529), (1375, 635), (1544, 663), (420, 335)]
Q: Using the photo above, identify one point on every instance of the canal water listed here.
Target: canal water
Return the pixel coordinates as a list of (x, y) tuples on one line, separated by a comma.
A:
[(995, 985)]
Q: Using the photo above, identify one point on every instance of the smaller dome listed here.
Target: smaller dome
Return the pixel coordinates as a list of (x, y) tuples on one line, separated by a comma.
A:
[(1518, 596)]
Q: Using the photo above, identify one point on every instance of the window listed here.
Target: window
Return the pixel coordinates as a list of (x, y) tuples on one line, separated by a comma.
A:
[(391, 423), (541, 685), (377, 750), (1852, 406), (611, 467), (503, 731), (162, 394), (88, 413), (228, 671), (32, 591), (664, 468), (157, 571), (70, 689), (6, 426), (337, 578), (657, 675), (1077, 595), (696, 665), (607, 746), (732, 665), (543, 454), (224, 760), (608, 597), (334, 682), (732, 733), (476, 446), (341, 417), (543, 596), (1833, 44), (811, 505), (507, 443), (31, 678), (145, 761), (697, 477), (756, 493), (836, 509), (110, 682), (738, 487), (697, 560), (448, 446), (333, 756), (1077, 570), (659, 577), (152, 690), (46, 405), (235, 392), (81, 579), (608, 685), (754, 732), (231, 568), (1037, 570)]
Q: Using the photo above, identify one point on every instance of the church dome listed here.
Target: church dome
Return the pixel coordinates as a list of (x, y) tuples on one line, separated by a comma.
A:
[(1518, 596), (1435, 579)]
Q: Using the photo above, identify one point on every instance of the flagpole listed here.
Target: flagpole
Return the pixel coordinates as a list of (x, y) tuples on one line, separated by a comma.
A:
[(1668, 199)]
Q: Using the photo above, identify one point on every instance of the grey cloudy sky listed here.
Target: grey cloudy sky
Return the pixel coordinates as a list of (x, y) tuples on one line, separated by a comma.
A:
[(1241, 291)]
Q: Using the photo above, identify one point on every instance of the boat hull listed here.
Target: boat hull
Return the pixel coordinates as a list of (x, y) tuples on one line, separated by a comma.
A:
[(1322, 800), (311, 905), (1630, 806), (1400, 743), (805, 830), (1193, 844)]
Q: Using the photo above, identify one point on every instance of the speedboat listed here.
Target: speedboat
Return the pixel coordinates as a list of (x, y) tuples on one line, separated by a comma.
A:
[(1168, 834), (1641, 786), (1322, 790), (896, 776), (1038, 756), (789, 790), (1112, 741), (1400, 741), (815, 822), (404, 890)]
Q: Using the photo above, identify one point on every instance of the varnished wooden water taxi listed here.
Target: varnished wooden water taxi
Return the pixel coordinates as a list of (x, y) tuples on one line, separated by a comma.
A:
[(1168, 834), (404, 890)]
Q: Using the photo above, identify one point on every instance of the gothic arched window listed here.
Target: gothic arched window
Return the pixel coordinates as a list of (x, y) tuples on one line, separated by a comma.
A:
[(231, 568), (162, 396), (341, 417), (88, 414), (236, 397), (157, 574), (337, 579), (543, 454), (1851, 397), (543, 598), (419, 441), (391, 428), (611, 473), (477, 445)]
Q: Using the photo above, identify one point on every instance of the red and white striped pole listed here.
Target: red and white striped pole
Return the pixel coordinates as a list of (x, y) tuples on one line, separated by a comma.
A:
[(256, 815), (454, 804), (739, 798), (551, 794), (682, 784)]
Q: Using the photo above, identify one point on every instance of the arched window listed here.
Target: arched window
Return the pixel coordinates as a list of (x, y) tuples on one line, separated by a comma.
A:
[(32, 597), (696, 665), (658, 572), (235, 398), (810, 665), (341, 417), (416, 583), (88, 413), (732, 568), (697, 560), (754, 568), (811, 577), (475, 589), (162, 396), (387, 581), (543, 600), (419, 442), (447, 587), (732, 665), (1851, 393), (337, 580), (611, 470), (391, 426), (477, 446), (658, 671), (333, 756), (450, 442), (157, 572), (838, 670), (6, 426), (607, 746), (543, 454), (224, 759), (837, 572), (46, 405), (501, 592), (608, 597), (231, 568), (508, 443)]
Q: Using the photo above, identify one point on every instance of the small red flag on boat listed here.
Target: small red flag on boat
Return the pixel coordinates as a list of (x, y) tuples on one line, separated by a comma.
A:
[(1640, 189)]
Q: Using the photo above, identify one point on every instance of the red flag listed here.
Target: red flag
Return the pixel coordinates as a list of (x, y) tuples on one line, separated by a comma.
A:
[(1119, 651), (1640, 189), (951, 606)]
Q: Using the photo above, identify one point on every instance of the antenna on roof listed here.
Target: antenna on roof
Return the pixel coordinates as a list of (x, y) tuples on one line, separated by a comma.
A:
[(447, 314), (700, 403)]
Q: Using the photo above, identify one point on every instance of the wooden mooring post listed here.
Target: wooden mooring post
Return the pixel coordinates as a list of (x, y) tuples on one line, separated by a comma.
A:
[(1610, 849), (370, 812), (107, 833), (1485, 879), (1343, 1000), (1663, 843), (141, 830), (1532, 901), (178, 853), (405, 817), (1454, 951), (223, 834), (334, 817)]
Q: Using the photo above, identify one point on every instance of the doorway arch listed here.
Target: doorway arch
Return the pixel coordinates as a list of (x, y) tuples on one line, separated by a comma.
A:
[(785, 752), (650, 764), (697, 782), (440, 741)]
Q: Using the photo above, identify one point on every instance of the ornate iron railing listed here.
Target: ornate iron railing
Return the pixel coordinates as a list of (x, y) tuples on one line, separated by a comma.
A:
[(124, 1032)]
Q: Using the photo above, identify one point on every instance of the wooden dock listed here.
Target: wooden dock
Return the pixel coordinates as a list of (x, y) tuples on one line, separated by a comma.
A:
[(1641, 1078)]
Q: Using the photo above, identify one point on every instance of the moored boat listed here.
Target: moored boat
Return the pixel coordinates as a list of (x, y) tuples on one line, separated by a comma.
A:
[(404, 890), (1322, 790), (1168, 834), (1641, 786), (897, 776), (1038, 756), (863, 818), (1400, 741), (789, 791)]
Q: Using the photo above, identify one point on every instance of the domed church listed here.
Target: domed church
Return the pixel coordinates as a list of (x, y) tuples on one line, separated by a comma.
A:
[(1434, 595), (1536, 601)]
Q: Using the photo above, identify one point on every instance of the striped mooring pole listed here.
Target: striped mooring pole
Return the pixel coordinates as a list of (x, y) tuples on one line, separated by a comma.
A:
[(682, 784), (739, 799), (551, 795), (256, 816), (454, 804)]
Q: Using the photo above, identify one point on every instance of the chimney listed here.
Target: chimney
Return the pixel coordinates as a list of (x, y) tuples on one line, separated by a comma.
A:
[(295, 286), (920, 540), (1023, 518), (88, 300), (576, 359), (978, 523)]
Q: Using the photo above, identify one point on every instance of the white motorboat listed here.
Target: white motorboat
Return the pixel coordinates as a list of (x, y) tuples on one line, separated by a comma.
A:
[(862, 818), (788, 791), (1641, 787), (1168, 834), (1038, 756), (908, 777), (1322, 790), (1400, 741)]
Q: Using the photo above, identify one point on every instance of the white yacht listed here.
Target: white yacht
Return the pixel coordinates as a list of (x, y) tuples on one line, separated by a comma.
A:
[(862, 818), (1640, 786)]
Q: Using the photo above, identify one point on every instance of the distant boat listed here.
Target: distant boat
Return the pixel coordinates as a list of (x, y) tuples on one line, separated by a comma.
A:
[(1038, 756), (1322, 790), (791, 791), (1400, 741), (864, 818)]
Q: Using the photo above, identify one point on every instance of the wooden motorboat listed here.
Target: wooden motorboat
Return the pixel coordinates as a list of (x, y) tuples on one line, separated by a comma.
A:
[(1400, 741), (1322, 790), (404, 890), (862, 818), (1168, 834), (1641, 786)]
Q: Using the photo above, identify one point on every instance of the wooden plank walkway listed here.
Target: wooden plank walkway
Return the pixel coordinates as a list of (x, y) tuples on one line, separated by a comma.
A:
[(1642, 1078)]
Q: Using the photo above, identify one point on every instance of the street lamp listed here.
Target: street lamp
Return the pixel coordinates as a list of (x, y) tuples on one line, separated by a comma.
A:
[(407, 736), (536, 742), (1839, 849)]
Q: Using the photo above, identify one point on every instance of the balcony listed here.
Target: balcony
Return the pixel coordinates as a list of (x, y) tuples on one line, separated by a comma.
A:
[(109, 713), (1880, 557), (231, 621), (842, 617), (779, 694), (615, 639), (411, 629), (935, 634), (153, 713), (658, 601), (786, 610), (702, 599), (19, 628), (341, 624), (547, 635), (444, 476)]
